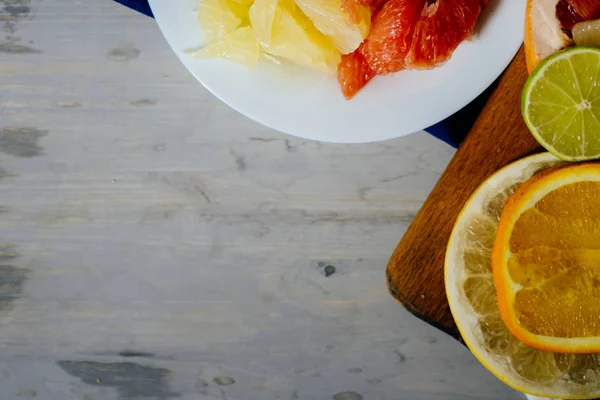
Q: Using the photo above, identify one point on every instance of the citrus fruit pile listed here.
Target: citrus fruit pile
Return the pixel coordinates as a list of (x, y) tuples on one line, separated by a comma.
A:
[(522, 267), (552, 25), (561, 103), (561, 98), (313, 33), (408, 34), (523, 276), (357, 38)]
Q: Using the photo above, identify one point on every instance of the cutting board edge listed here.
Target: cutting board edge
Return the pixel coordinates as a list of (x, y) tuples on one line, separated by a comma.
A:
[(414, 311)]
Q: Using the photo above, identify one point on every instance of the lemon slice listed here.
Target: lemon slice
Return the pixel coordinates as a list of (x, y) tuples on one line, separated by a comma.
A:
[(561, 103), (474, 305)]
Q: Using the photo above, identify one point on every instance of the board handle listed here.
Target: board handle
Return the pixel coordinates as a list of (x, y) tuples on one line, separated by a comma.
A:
[(415, 273)]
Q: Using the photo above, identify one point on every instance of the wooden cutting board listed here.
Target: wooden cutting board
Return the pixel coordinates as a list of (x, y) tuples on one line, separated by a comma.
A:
[(415, 273)]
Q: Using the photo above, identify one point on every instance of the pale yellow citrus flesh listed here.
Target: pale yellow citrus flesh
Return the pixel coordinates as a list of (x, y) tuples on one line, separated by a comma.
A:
[(282, 30), (473, 299), (220, 17), (329, 17), (239, 46)]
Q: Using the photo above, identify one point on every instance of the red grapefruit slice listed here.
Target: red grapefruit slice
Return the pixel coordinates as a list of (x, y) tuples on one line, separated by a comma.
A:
[(442, 26), (408, 34), (389, 41), (570, 12), (353, 73)]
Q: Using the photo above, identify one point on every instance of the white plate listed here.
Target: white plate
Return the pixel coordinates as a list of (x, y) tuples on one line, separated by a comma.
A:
[(310, 105)]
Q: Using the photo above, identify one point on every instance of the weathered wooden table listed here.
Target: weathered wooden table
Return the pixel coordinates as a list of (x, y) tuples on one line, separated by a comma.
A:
[(156, 244)]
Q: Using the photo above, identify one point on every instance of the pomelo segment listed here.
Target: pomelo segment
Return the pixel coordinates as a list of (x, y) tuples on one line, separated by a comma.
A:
[(284, 31), (262, 16), (280, 28), (345, 28), (219, 17), (239, 46)]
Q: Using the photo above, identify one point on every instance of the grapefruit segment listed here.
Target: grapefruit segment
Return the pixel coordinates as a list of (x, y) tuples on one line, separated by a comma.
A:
[(570, 12), (353, 73), (389, 41), (374, 4), (408, 34), (442, 26)]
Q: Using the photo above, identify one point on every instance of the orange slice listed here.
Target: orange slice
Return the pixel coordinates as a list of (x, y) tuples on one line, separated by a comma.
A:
[(546, 260), (543, 33), (474, 303)]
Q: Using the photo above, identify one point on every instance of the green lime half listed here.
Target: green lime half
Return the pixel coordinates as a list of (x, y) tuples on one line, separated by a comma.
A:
[(561, 103)]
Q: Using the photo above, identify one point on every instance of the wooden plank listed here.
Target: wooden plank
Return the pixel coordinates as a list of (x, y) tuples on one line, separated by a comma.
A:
[(163, 243)]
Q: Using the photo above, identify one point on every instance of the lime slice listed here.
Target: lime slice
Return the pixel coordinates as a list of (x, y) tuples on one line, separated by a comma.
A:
[(561, 103)]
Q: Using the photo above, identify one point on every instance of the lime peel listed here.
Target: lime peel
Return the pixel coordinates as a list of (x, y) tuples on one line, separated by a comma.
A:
[(561, 103)]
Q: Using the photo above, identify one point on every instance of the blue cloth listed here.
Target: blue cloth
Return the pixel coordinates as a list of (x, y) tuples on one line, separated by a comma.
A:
[(452, 130), (138, 5)]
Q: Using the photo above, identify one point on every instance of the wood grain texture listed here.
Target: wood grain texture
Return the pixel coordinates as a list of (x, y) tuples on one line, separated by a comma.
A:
[(415, 273), (155, 244)]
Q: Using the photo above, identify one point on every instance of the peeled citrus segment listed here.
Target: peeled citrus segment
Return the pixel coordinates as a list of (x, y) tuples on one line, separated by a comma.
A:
[(219, 17), (239, 46), (408, 34), (246, 4), (561, 103), (241, 9), (546, 260), (295, 38), (587, 33), (474, 302), (262, 15), (442, 27), (345, 31), (284, 31), (353, 73), (390, 39)]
